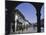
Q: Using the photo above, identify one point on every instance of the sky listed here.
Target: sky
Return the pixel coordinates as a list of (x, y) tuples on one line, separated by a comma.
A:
[(29, 11)]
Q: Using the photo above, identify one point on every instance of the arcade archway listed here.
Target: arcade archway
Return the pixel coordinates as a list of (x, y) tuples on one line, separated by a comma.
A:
[(11, 5)]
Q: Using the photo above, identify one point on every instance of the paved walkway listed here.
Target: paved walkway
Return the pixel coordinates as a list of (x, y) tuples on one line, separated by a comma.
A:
[(29, 30), (25, 31)]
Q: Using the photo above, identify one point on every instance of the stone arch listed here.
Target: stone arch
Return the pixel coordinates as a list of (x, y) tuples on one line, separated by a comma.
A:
[(11, 5)]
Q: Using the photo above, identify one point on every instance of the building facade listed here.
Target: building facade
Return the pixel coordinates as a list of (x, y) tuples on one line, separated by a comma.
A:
[(20, 22)]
